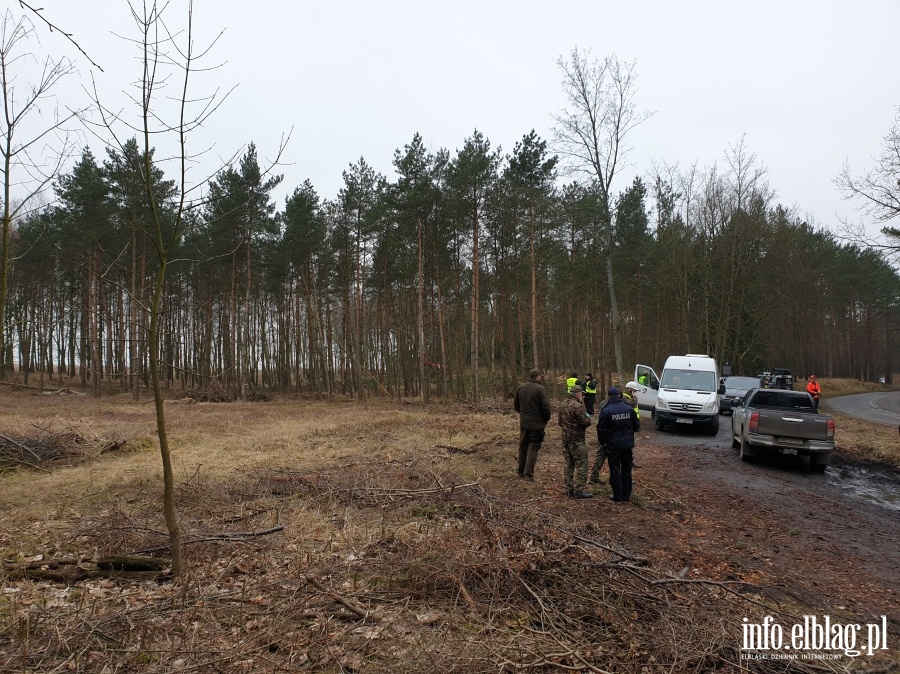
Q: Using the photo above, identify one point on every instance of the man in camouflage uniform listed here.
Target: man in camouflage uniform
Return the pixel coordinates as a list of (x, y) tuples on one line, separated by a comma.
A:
[(574, 419)]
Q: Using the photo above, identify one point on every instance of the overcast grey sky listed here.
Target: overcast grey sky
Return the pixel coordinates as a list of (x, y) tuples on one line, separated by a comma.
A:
[(807, 83)]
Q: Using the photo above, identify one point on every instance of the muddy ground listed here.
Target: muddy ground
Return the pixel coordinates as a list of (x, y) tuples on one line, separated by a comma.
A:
[(698, 507)]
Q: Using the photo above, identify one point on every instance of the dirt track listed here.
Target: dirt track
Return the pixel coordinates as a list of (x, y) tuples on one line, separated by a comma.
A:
[(704, 513)]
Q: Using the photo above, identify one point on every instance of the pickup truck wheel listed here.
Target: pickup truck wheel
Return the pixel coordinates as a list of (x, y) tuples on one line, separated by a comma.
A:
[(735, 443), (817, 467), (746, 451)]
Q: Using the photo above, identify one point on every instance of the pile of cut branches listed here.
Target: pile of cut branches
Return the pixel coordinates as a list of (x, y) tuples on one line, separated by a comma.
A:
[(216, 393), (49, 447)]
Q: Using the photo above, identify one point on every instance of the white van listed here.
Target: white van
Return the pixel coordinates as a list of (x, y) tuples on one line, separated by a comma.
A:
[(687, 393)]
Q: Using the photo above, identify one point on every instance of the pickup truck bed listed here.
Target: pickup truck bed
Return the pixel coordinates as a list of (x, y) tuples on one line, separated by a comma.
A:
[(769, 420)]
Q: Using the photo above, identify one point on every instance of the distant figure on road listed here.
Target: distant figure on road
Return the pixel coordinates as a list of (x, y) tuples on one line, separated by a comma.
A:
[(533, 405), (814, 390)]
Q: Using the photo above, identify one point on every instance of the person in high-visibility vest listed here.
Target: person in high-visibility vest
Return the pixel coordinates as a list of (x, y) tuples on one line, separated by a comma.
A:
[(814, 390), (630, 396), (571, 381), (590, 393)]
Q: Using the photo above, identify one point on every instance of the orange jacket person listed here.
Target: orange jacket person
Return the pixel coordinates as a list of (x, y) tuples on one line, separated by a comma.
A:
[(814, 390)]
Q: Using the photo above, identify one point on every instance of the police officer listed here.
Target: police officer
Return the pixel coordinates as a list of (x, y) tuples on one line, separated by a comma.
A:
[(616, 427), (600, 457)]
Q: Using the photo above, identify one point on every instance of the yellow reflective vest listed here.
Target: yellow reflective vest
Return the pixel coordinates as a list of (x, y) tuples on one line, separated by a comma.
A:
[(633, 402)]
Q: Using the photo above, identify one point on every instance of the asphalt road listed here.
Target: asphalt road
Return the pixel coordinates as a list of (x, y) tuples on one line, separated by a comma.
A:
[(879, 407)]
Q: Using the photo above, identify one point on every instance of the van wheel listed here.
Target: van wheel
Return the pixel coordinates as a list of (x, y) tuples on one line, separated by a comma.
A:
[(714, 427), (747, 453), (659, 425)]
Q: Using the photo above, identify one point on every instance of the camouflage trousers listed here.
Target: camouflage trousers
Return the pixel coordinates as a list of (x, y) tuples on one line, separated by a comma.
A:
[(576, 469), (599, 460)]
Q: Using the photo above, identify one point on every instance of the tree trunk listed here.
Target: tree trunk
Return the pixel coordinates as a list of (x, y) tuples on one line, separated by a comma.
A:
[(475, 312), (424, 380), (534, 333), (614, 314)]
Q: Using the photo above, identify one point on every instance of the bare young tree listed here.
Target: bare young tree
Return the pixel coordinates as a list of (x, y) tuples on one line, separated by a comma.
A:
[(169, 59), (877, 191), (590, 136), (34, 143)]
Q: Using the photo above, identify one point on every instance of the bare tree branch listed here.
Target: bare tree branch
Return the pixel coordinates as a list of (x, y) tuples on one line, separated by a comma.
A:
[(69, 36)]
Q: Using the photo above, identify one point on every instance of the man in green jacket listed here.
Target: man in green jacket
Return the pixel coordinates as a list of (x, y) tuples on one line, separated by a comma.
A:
[(533, 405)]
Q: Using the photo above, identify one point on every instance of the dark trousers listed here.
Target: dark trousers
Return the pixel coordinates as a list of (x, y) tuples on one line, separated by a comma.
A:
[(589, 399), (529, 445), (620, 463)]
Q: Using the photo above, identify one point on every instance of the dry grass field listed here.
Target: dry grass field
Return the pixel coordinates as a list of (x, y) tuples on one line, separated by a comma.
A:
[(330, 536)]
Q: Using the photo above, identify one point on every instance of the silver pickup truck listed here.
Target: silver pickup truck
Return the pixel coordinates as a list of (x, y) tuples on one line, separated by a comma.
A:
[(772, 420)]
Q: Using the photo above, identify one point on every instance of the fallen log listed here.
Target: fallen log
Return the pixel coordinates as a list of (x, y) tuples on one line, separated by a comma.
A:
[(70, 570), (132, 563)]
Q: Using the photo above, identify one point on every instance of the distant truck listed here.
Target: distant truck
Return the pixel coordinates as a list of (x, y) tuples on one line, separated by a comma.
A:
[(782, 422), (779, 377)]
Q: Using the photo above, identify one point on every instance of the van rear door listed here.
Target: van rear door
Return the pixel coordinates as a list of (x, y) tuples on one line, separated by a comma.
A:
[(646, 391)]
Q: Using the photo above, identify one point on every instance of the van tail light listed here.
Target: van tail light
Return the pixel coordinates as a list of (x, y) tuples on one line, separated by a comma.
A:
[(754, 422), (829, 428)]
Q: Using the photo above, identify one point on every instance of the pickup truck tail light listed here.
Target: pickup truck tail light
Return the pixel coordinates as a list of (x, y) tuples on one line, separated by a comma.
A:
[(829, 428), (754, 422)]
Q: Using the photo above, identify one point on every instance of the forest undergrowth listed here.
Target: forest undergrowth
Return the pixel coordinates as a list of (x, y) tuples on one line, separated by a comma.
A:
[(345, 538)]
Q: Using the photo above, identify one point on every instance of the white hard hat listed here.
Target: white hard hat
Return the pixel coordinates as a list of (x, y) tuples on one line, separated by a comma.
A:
[(631, 386)]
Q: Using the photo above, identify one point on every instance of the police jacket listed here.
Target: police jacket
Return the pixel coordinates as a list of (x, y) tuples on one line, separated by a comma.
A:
[(617, 425), (533, 405)]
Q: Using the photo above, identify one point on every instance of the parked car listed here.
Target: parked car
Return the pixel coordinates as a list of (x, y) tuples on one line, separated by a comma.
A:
[(735, 390), (783, 422)]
